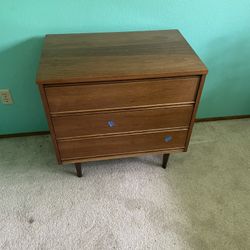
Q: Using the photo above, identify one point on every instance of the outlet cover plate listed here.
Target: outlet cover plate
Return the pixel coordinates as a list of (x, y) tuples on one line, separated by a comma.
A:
[(6, 96)]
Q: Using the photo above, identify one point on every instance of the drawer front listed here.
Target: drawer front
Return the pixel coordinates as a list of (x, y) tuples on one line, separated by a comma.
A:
[(122, 144), (72, 98), (118, 122)]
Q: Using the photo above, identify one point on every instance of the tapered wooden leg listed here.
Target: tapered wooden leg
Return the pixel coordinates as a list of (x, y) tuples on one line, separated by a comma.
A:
[(165, 160), (78, 169)]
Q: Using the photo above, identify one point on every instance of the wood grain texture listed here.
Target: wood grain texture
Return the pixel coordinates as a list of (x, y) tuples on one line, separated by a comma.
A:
[(128, 94), (116, 56), (121, 144), (121, 121)]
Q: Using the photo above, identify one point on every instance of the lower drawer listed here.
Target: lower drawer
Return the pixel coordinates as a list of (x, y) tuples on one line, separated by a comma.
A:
[(122, 121), (121, 144)]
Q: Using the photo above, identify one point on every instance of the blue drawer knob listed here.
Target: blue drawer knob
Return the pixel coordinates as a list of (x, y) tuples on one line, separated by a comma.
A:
[(111, 124), (168, 138)]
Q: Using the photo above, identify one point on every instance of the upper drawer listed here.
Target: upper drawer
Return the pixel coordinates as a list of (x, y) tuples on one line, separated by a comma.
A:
[(117, 95), (78, 125)]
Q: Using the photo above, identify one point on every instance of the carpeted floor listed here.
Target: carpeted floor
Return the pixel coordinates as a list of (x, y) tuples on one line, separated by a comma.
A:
[(201, 201)]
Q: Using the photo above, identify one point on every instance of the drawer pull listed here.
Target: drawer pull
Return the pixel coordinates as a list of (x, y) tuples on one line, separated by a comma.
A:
[(168, 138), (111, 124)]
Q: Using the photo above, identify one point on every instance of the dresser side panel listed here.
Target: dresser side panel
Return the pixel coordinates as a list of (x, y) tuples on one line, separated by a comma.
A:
[(197, 101), (50, 123)]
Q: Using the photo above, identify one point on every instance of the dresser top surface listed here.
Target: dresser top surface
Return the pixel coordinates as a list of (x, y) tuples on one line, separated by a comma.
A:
[(93, 57)]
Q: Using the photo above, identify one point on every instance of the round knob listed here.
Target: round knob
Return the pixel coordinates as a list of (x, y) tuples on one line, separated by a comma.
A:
[(168, 138), (111, 124)]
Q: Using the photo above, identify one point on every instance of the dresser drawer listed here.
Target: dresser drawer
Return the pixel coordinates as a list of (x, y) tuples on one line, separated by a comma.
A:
[(121, 144), (117, 95), (117, 122)]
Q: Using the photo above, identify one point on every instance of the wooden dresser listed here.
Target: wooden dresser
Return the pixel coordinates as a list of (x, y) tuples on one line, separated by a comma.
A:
[(113, 95)]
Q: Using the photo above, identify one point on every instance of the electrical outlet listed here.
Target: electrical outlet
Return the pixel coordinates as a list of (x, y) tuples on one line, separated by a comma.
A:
[(6, 96)]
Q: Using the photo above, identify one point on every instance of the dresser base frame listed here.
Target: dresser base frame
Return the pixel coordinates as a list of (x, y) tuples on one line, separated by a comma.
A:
[(78, 166)]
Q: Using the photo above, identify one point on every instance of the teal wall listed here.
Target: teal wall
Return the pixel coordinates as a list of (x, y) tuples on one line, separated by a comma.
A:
[(219, 31)]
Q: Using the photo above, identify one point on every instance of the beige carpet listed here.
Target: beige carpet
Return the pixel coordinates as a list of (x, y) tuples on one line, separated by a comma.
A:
[(202, 201)]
